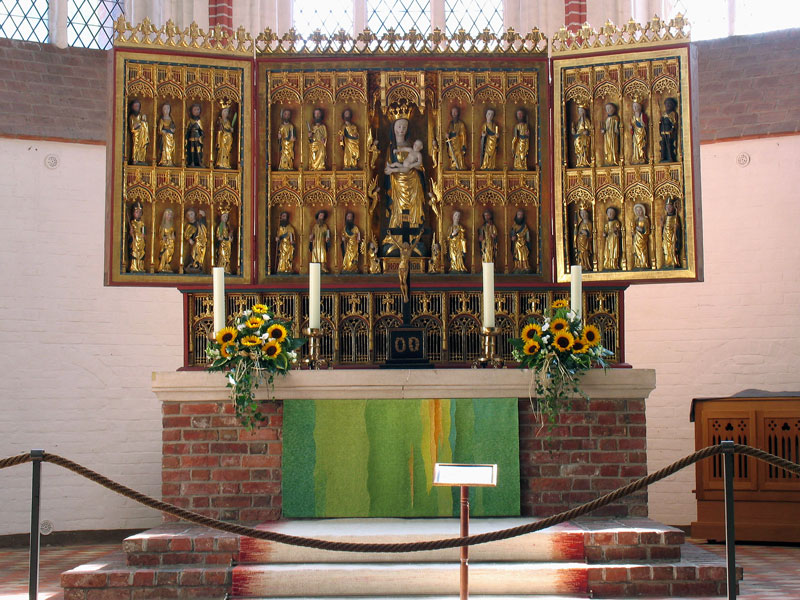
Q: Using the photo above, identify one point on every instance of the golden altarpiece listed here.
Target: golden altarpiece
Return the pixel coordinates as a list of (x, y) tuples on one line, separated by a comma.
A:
[(264, 154)]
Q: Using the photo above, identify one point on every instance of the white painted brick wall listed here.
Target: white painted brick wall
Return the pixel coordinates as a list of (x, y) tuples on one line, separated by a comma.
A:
[(738, 329), (77, 356)]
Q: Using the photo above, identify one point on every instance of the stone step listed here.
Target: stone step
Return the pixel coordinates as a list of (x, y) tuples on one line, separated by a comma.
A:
[(561, 543), (414, 579), (596, 540), (448, 597)]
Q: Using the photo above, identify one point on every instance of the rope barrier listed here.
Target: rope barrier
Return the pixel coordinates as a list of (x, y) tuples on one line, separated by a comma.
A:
[(472, 540)]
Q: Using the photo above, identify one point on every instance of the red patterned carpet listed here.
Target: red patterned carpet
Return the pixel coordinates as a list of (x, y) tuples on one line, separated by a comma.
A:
[(770, 572)]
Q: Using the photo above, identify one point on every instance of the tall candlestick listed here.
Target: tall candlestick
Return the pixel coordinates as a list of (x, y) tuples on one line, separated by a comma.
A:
[(218, 277), (488, 295), (576, 290), (313, 295)]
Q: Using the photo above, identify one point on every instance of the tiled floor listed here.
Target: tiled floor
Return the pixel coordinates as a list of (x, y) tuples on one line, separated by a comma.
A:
[(770, 572)]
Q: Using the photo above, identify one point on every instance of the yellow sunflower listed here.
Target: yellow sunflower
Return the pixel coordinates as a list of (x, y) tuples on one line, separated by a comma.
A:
[(561, 303), (277, 331), (530, 331), (251, 340), (259, 308), (226, 335), (254, 322), (225, 350), (579, 346), (563, 341), (531, 347), (591, 335), (271, 349), (558, 325)]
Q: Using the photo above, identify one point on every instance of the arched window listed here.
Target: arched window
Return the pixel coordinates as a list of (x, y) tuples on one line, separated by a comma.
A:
[(383, 15), (473, 16), (20, 20), (329, 17)]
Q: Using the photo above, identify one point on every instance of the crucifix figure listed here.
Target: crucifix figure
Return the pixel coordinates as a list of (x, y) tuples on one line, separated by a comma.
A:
[(404, 267)]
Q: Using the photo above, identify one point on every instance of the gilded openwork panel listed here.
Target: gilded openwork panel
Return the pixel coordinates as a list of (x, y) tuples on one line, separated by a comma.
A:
[(627, 193), (179, 189)]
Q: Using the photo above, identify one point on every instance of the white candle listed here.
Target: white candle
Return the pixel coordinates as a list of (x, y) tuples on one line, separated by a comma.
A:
[(488, 295), (218, 276), (314, 300), (575, 290)]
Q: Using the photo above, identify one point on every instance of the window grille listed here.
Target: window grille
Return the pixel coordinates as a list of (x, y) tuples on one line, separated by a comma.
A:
[(21, 20), (413, 14), (90, 23), (473, 16), (329, 17)]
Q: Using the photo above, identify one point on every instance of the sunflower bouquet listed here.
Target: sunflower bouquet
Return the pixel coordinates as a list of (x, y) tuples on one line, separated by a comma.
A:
[(558, 352), (253, 350)]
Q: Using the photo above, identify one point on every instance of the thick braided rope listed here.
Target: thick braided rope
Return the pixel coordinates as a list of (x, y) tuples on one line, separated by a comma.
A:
[(406, 546)]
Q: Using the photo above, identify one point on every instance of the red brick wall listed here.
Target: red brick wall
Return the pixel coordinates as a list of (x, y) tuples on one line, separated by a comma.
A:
[(574, 14), (213, 466), (53, 92), (749, 86), (601, 445)]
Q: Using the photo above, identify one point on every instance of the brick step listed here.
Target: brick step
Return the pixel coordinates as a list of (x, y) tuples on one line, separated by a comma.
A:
[(596, 540)]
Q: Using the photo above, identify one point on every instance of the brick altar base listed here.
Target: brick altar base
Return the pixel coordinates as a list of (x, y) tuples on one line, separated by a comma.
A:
[(213, 466), (607, 558)]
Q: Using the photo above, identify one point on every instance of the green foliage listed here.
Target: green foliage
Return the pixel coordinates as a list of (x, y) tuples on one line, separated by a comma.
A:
[(256, 348), (558, 352)]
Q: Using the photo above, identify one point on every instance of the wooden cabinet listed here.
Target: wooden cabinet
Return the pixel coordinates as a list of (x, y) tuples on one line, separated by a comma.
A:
[(767, 498)]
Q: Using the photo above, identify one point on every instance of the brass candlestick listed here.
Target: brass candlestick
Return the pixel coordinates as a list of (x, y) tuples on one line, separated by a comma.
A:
[(312, 359), (489, 343)]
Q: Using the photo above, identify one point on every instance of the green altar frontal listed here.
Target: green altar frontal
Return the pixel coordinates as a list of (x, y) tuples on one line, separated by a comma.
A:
[(374, 458)]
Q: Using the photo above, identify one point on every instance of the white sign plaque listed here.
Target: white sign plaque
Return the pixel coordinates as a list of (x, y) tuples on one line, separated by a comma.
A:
[(460, 474)]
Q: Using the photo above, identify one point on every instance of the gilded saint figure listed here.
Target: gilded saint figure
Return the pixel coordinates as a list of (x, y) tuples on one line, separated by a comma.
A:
[(319, 240), (457, 140), (137, 230), (639, 125), (372, 149), (224, 242), (612, 232), (166, 131), (670, 235), (317, 141), (166, 236), (521, 142), (487, 237), (140, 134), (435, 264), (404, 179), (583, 240), (490, 135), (285, 243), (641, 237), (582, 138), (610, 131), (373, 262), (351, 240), (457, 245), (225, 136), (195, 233), (668, 128), (194, 137), (348, 140), (286, 138), (520, 243)]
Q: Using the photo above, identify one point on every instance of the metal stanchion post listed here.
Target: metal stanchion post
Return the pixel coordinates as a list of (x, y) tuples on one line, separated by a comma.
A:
[(464, 585), (36, 484), (730, 530)]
